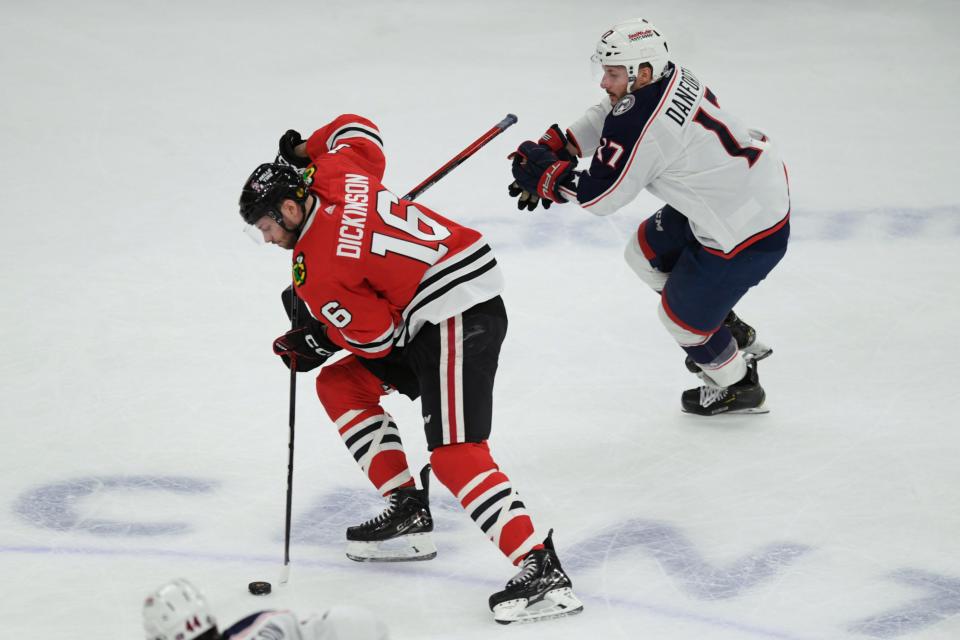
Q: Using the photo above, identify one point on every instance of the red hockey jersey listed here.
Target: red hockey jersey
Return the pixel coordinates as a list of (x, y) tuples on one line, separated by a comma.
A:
[(372, 267)]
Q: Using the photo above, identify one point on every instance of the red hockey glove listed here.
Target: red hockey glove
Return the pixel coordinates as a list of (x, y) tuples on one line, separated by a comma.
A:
[(304, 347), (538, 170), (555, 140)]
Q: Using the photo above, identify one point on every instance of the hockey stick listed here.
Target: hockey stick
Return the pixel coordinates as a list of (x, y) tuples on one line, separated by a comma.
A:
[(285, 573), (413, 194), (458, 159)]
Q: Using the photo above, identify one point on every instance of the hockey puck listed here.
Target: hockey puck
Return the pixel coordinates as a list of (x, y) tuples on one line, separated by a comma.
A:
[(260, 588)]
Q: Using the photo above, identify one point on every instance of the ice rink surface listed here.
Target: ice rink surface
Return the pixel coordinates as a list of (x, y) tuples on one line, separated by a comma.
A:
[(145, 417)]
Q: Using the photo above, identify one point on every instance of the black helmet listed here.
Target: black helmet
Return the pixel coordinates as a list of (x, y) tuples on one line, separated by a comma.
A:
[(266, 188)]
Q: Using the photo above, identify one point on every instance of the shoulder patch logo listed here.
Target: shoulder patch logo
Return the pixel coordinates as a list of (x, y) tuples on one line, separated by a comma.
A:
[(299, 270), (626, 103)]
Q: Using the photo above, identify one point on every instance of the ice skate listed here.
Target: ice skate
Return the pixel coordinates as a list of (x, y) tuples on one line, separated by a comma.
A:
[(746, 337), (745, 396), (540, 591), (401, 533)]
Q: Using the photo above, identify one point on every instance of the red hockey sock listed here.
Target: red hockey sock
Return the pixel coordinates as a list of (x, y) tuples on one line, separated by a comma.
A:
[(351, 396), (469, 472)]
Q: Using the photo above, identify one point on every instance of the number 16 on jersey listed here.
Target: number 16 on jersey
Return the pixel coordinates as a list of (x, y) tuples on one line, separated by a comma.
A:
[(409, 220)]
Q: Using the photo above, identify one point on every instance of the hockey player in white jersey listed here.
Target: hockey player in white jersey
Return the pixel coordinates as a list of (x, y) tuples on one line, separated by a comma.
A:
[(178, 611), (725, 224)]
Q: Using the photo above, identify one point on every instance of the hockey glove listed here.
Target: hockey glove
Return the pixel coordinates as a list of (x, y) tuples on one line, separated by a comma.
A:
[(538, 170), (554, 139), (305, 347), (287, 154), (525, 199), (289, 299)]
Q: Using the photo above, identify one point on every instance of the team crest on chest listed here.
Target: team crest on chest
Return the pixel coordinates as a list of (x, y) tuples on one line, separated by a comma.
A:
[(299, 270), (626, 103)]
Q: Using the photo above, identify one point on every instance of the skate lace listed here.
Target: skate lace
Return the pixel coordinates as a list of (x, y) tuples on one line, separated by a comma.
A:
[(527, 570), (710, 394), (391, 507)]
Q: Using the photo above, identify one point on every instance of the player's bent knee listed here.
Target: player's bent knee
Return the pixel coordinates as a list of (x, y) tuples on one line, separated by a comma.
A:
[(638, 262), (347, 385), (332, 382), (684, 336), (456, 464)]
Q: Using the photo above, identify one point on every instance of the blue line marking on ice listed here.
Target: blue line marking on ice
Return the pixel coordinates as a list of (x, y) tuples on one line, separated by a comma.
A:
[(546, 228), (661, 611)]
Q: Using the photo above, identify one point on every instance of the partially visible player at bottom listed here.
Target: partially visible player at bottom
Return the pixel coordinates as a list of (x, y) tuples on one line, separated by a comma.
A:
[(179, 611), (415, 298)]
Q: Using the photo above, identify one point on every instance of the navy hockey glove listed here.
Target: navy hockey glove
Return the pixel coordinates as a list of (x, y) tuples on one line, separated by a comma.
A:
[(288, 142), (556, 141), (305, 347), (538, 170)]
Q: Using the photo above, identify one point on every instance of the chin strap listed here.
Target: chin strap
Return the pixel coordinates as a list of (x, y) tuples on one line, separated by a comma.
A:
[(295, 230), (278, 218)]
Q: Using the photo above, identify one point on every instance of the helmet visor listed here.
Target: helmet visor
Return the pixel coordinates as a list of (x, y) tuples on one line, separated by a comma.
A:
[(252, 232), (596, 68)]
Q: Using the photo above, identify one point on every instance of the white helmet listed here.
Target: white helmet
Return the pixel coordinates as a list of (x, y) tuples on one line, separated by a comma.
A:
[(631, 44), (176, 611)]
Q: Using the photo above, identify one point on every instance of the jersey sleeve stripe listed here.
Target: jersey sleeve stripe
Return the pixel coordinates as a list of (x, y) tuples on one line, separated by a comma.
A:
[(467, 278), (445, 289), (372, 351), (636, 145), (354, 130), (385, 338), (460, 260)]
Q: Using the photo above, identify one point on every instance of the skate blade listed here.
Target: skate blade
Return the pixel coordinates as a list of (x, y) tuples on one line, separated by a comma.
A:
[(554, 604), (408, 548), (739, 412), (757, 351)]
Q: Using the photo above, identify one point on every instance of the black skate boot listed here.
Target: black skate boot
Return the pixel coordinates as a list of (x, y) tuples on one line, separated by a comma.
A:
[(540, 591), (745, 396), (746, 337), (401, 532)]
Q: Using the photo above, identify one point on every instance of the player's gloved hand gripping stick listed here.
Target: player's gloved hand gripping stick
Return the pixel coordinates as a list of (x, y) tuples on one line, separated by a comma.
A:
[(300, 345)]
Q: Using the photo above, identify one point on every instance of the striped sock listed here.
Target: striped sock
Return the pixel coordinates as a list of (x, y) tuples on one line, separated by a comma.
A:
[(487, 495), (373, 440)]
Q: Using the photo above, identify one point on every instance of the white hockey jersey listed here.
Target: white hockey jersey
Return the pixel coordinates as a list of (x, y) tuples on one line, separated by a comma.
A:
[(339, 623), (672, 138)]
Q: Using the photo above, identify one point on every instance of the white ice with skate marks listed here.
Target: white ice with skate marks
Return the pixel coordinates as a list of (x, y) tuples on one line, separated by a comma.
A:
[(146, 417)]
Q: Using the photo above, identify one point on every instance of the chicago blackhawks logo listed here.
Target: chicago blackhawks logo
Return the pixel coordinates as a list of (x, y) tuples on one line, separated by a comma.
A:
[(307, 177), (299, 270)]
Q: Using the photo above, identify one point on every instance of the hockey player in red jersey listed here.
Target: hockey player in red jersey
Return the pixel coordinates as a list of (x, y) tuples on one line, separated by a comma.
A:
[(726, 221), (414, 298)]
